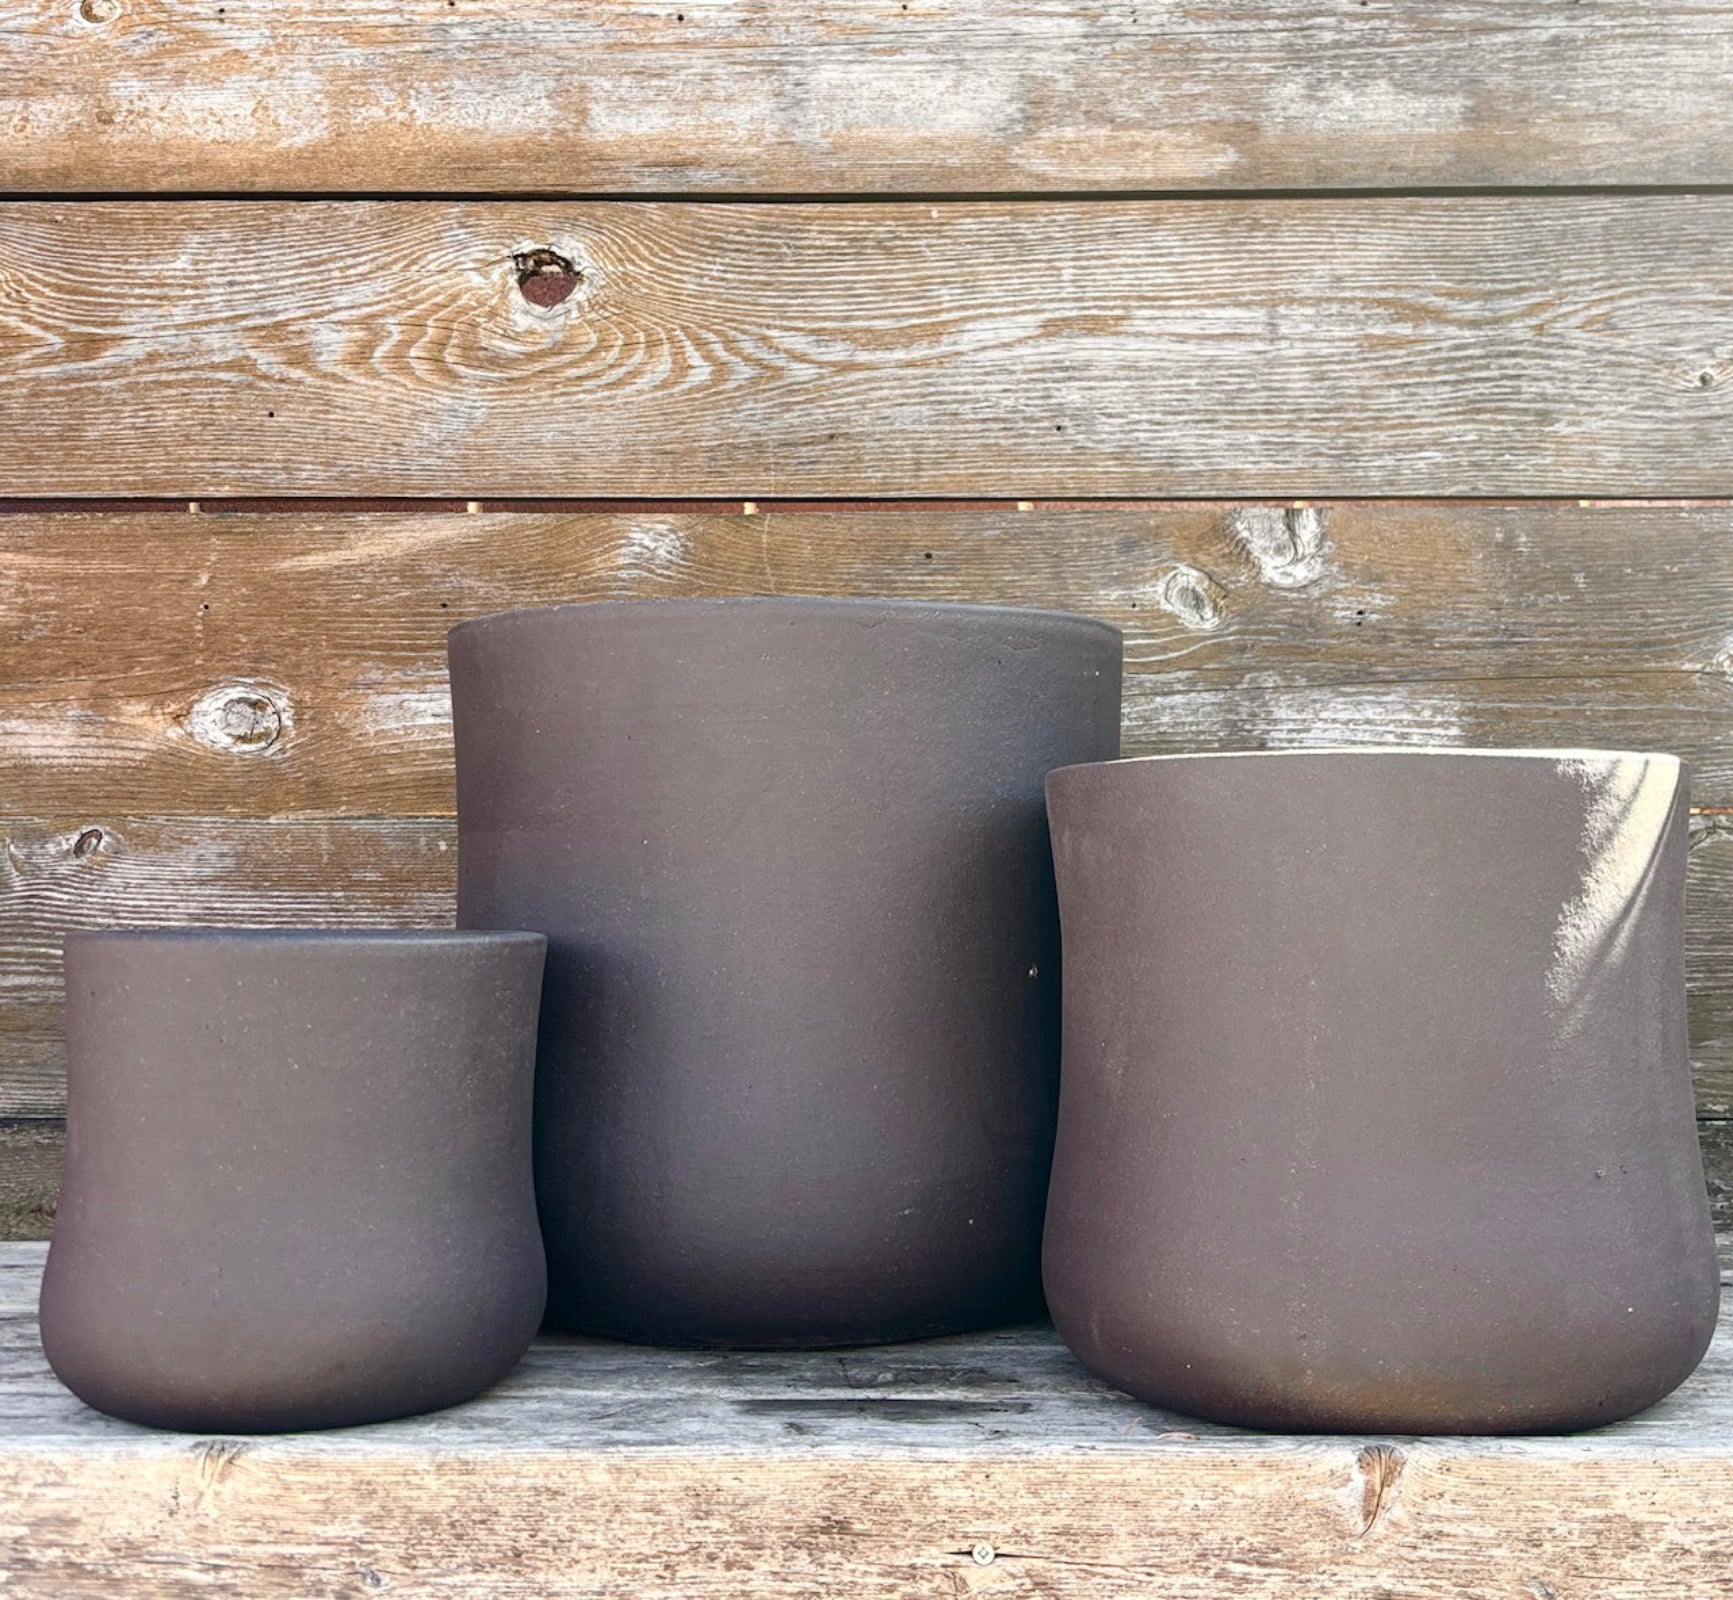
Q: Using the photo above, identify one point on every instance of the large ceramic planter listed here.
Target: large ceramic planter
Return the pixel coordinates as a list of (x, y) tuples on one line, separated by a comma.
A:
[(297, 1188), (799, 1043), (1375, 1109)]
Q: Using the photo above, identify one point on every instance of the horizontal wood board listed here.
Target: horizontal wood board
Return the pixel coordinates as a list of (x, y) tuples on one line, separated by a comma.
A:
[(1547, 346), (257, 665), (190, 703), (768, 96), (988, 1464)]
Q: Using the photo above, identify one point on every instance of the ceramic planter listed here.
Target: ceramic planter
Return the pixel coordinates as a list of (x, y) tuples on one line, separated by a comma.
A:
[(799, 1043), (1375, 1110), (297, 1189)]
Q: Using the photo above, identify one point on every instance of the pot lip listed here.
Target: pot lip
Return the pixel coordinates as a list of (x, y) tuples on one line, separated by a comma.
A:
[(857, 605), (312, 938), (1552, 755)]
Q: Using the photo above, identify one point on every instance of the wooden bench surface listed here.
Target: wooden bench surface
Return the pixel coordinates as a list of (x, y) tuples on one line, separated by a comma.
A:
[(985, 1464)]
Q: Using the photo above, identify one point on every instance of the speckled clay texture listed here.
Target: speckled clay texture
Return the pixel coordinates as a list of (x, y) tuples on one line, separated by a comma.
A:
[(1375, 1111), (297, 1189), (800, 1046)]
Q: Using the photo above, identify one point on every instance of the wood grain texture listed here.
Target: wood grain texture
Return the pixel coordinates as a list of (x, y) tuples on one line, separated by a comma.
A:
[(1473, 346), (1717, 1141), (767, 96), (253, 665), (982, 1465), (189, 705), (31, 1153)]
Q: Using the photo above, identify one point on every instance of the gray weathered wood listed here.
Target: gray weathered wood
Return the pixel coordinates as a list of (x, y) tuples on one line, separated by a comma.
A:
[(1547, 346), (773, 96), (169, 681), (30, 1156), (977, 1465)]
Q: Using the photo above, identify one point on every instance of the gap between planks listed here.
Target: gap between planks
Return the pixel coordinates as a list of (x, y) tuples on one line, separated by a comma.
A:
[(308, 505)]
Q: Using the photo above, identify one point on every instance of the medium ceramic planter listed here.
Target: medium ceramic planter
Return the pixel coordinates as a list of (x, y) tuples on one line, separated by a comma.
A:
[(297, 1189), (1375, 1110), (799, 1043)]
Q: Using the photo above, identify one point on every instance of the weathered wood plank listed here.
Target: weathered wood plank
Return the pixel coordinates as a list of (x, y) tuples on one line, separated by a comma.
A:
[(767, 96), (1709, 966), (1472, 346), (987, 1464), (31, 1153), (256, 665), (1717, 1138), (259, 665), (132, 871)]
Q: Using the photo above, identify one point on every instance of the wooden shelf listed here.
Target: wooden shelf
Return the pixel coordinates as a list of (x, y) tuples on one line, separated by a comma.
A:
[(986, 1464)]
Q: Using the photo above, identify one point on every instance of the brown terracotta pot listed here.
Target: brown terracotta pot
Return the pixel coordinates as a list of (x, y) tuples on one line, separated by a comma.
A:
[(297, 1189), (1375, 1109), (799, 1044)]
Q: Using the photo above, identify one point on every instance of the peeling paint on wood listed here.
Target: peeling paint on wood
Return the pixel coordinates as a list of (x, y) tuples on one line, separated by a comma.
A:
[(1475, 346)]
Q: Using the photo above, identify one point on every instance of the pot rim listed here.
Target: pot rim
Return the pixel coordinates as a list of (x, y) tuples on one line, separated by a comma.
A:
[(309, 938), (1547, 753), (842, 604)]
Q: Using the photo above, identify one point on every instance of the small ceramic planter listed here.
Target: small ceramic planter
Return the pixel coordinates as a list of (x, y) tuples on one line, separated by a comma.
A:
[(297, 1189), (1375, 1109), (799, 1046)]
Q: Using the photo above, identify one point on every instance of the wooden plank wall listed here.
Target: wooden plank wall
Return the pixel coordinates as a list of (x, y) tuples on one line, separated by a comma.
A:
[(1370, 364)]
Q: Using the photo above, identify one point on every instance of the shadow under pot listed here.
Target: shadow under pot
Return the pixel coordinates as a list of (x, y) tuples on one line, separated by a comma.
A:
[(1375, 1110), (799, 1048), (297, 1189)]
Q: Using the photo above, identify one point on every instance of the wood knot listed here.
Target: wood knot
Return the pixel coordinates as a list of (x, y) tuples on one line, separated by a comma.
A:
[(98, 12), (1380, 1470), (1286, 546), (545, 277), (88, 843), (240, 718), (1193, 597)]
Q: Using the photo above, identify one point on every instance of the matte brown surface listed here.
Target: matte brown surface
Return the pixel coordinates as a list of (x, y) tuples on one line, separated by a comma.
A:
[(1376, 1117), (799, 1041), (1564, 345), (297, 1188)]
